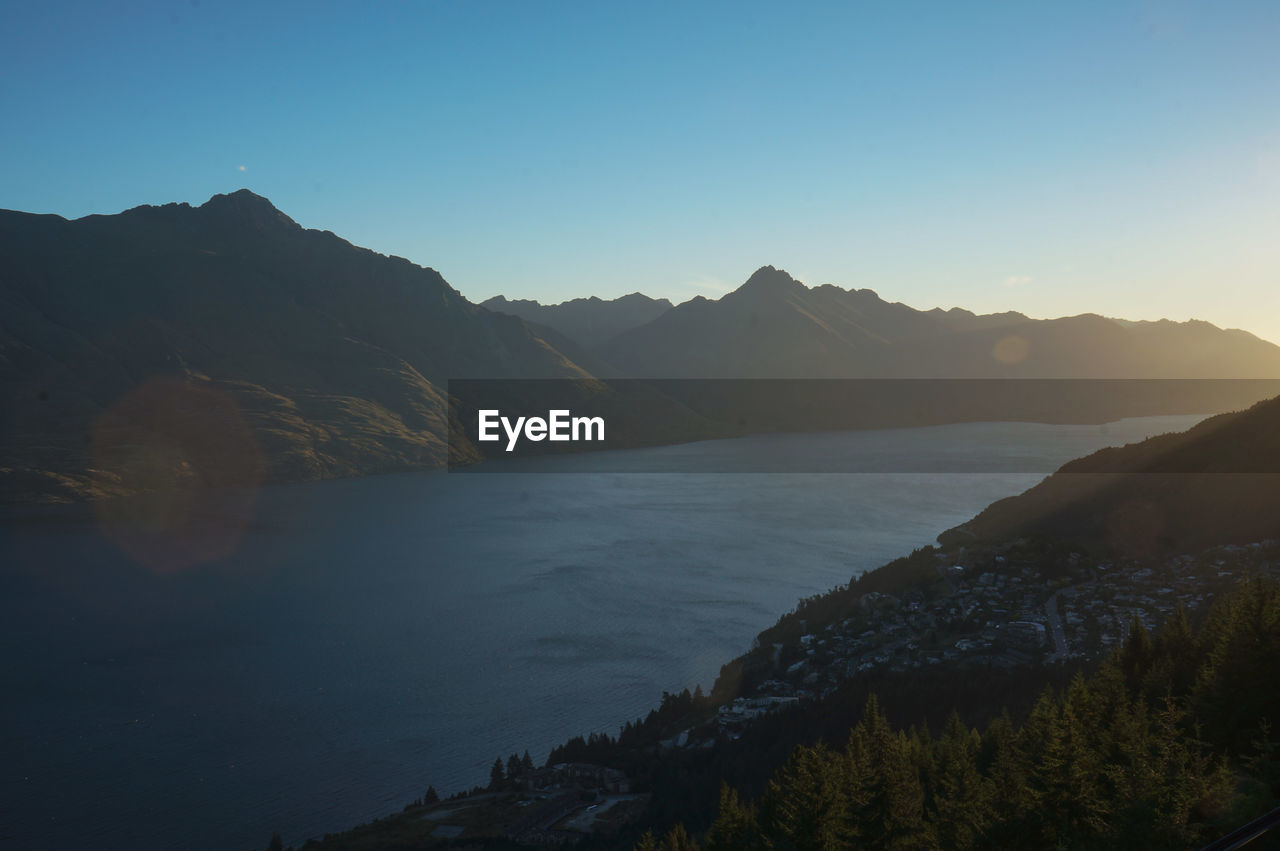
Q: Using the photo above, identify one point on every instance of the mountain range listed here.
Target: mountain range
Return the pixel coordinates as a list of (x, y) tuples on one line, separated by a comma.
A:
[(775, 327), (225, 344), (591, 322)]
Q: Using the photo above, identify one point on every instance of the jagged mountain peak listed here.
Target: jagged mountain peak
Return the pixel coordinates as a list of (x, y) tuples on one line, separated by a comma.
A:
[(770, 279), (248, 207), (587, 321), (240, 208)]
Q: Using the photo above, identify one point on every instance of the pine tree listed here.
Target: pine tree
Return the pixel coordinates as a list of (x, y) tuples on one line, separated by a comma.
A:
[(1264, 764), (1176, 659), (859, 777), (894, 813), (1035, 731), (678, 839), (1007, 770), (647, 842), (1234, 690), (1067, 780), (962, 797), (1137, 655), (804, 803), (735, 827), (495, 774), (1163, 781), (1104, 707)]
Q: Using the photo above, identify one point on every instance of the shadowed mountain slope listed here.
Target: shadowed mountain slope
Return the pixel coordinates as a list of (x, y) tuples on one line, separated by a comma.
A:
[(228, 318)]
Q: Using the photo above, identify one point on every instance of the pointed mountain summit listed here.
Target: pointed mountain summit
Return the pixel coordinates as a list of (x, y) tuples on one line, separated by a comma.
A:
[(771, 281), (241, 210), (773, 326), (244, 206)]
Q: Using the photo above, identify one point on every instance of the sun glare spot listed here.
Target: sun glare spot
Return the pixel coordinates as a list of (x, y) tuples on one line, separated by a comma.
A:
[(1011, 350), (185, 452)]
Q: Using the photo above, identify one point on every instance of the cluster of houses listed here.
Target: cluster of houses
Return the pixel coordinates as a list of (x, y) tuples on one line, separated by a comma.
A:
[(1002, 608), (1153, 593), (575, 777), (731, 718), (562, 802)]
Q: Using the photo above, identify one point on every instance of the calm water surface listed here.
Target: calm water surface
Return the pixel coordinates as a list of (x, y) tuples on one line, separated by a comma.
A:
[(374, 636)]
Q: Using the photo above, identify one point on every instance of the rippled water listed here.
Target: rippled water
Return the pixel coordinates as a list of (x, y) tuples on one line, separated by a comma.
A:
[(374, 636)]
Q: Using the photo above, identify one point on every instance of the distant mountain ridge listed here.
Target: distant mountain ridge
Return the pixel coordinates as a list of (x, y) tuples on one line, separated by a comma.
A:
[(588, 321), (773, 326)]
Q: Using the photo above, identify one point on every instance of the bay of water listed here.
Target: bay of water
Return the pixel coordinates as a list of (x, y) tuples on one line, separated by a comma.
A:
[(372, 636)]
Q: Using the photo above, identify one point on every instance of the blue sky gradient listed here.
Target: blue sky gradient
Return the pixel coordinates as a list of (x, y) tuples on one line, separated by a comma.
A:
[(1120, 158)]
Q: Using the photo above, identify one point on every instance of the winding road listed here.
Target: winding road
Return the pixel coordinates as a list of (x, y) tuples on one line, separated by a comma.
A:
[(1060, 649)]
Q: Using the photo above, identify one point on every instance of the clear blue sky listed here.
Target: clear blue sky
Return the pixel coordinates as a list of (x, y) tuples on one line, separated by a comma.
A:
[(1114, 157)]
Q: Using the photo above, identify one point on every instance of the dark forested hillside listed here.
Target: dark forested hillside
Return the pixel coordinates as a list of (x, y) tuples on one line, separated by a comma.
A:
[(1216, 483)]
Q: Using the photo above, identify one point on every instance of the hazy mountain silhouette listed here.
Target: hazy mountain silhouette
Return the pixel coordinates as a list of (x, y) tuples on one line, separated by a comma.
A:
[(1217, 483), (775, 327), (225, 344), (327, 359), (587, 321)]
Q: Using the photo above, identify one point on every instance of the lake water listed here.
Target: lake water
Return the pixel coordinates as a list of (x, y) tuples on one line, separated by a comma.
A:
[(373, 636)]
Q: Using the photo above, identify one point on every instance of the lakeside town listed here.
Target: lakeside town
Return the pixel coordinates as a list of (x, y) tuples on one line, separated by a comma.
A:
[(1007, 606), (1015, 605)]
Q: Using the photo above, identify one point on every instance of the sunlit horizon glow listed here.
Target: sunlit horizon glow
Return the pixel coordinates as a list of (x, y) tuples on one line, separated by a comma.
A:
[(1112, 158)]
